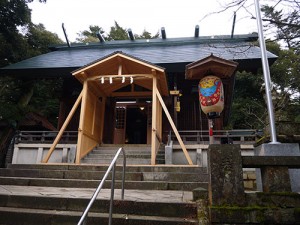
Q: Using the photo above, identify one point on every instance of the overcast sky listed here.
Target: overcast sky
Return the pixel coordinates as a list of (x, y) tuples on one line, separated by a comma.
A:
[(178, 17)]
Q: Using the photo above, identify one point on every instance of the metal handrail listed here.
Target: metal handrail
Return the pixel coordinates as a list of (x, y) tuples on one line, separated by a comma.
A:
[(111, 167)]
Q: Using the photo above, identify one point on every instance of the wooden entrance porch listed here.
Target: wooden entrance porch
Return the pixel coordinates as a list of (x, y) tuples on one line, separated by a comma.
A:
[(123, 77)]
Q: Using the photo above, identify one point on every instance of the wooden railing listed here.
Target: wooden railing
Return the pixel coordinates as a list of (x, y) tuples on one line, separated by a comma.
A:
[(221, 136), (69, 137)]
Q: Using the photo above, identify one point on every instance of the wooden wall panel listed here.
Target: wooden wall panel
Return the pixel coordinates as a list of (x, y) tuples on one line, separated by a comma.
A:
[(91, 123), (87, 144)]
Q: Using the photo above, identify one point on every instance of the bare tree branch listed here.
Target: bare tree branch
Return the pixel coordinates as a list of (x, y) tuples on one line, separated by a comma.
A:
[(279, 22)]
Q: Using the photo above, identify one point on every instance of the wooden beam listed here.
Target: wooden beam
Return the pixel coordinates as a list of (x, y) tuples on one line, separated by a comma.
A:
[(187, 156), (118, 76), (154, 114), (102, 118), (132, 94), (120, 70), (159, 120), (96, 89), (88, 134), (62, 129)]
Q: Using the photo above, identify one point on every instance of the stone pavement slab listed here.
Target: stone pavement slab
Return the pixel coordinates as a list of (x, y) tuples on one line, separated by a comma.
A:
[(133, 195)]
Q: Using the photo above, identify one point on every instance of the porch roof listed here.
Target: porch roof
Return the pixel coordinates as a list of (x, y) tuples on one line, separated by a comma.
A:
[(171, 53), (117, 70)]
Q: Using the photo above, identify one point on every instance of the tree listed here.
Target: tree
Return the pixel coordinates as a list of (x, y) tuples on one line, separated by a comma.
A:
[(146, 35), (116, 33), (20, 39), (281, 18), (39, 39), (14, 16), (19, 44), (90, 35), (249, 107), (287, 25)]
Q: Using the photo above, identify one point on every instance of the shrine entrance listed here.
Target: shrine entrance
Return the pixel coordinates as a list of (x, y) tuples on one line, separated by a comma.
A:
[(120, 76), (132, 123)]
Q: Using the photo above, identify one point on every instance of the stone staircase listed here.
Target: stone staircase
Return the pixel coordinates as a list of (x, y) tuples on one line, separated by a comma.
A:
[(57, 194), (135, 155)]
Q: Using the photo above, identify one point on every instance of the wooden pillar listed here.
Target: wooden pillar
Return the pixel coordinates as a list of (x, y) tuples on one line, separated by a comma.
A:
[(159, 121), (154, 122), (81, 121), (102, 117)]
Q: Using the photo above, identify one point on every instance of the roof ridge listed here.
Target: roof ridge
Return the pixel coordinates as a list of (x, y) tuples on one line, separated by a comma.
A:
[(158, 41)]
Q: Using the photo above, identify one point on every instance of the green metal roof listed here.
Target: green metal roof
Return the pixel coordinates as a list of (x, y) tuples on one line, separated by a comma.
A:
[(171, 53)]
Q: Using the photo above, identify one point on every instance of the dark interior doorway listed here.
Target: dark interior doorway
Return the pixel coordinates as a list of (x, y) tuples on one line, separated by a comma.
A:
[(136, 125)]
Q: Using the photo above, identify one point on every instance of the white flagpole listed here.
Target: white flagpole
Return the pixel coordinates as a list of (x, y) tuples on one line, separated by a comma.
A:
[(266, 72)]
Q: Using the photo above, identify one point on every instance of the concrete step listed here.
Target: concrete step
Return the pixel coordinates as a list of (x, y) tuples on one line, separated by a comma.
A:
[(129, 168), (11, 216), (97, 175), (58, 193), (68, 174), (143, 155), (100, 160), (46, 205), (166, 209), (89, 176), (134, 161), (112, 155), (125, 146), (135, 155), (127, 152), (141, 185), (137, 158)]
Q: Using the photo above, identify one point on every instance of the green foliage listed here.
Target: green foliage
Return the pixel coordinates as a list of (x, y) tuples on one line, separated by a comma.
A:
[(285, 71), (20, 39), (146, 35), (90, 35), (18, 97), (248, 108), (15, 16), (13, 49), (10, 93), (45, 98), (116, 33), (286, 24), (38, 39)]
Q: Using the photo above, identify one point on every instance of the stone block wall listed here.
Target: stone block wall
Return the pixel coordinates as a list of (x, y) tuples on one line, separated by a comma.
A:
[(249, 177)]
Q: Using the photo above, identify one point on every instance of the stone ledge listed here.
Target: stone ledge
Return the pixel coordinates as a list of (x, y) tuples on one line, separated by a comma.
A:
[(254, 214), (270, 208)]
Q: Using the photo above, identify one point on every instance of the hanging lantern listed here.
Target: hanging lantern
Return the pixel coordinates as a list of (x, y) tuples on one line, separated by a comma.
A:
[(211, 96)]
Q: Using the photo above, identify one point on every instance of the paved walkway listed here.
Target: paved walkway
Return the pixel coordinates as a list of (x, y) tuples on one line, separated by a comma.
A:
[(133, 195)]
